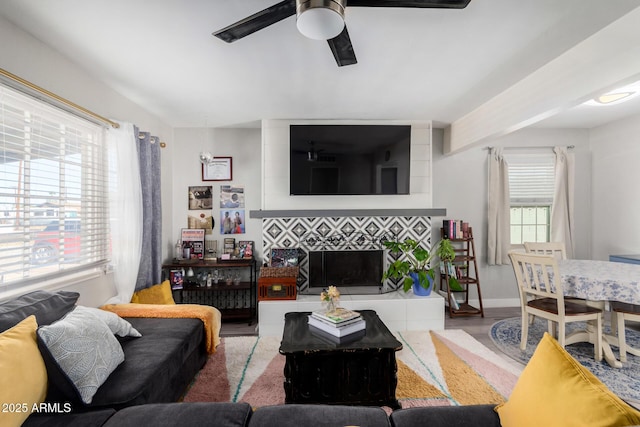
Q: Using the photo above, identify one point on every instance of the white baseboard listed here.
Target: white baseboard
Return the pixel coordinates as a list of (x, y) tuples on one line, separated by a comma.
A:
[(497, 302)]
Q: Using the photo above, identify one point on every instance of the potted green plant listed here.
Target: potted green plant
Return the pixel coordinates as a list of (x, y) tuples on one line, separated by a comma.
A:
[(446, 253), (415, 264)]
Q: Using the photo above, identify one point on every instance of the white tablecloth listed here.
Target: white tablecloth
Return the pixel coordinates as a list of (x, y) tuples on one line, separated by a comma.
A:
[(601, 280)]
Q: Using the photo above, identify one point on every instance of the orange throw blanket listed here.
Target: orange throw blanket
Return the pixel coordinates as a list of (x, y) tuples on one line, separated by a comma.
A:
[(210, 316)]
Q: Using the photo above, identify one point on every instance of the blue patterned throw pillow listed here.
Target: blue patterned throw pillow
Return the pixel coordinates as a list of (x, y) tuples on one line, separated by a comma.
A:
[(84, 349), (117, 324)]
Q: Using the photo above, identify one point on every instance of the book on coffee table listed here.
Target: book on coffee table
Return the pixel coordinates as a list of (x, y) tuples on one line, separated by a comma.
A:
[(332, 339), (337, 331), (338, 316)]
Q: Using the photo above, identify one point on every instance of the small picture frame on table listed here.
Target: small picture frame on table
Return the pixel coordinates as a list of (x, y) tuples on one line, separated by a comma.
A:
[(219, 169)]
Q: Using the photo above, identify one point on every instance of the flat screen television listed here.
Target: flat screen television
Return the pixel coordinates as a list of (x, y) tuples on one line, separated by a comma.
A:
[(349, 159)]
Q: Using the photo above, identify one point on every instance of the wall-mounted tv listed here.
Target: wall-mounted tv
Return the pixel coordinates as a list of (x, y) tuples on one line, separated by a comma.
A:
[(349, 159)]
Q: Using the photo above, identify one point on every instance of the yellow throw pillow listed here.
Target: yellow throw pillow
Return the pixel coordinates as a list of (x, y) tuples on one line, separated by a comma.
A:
[(555, 390), (23, 375), (156, 294)]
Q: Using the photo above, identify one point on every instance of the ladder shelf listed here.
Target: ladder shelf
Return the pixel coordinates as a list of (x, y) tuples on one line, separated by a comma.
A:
[(466, 268)]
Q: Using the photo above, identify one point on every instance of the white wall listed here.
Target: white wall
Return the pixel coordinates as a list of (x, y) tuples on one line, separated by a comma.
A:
[(460, 185), (32, 60), (243, 145), (616, 195), (275, 176)]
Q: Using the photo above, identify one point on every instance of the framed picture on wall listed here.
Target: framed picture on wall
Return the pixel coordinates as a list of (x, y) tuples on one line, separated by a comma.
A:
[(219, 169)]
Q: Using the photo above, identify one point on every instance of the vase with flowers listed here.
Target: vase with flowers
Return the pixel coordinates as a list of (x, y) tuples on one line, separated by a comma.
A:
[(330, 298)]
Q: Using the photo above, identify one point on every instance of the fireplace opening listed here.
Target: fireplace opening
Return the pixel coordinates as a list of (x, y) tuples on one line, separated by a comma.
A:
[(353, 272)]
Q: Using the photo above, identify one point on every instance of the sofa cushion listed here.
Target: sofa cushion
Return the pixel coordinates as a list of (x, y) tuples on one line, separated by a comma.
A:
[(23, 376), (318, 416), (446, 416), (156, 294), (184, 415), (80, 352), (116, 324), (158, 366), (63, 419), (46, 306), (556, 390)]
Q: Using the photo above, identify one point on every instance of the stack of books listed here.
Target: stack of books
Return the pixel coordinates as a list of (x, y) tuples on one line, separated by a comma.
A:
[(339, 324)]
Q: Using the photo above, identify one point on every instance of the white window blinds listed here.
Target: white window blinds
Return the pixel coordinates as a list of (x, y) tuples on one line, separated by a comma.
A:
[(531, 178), (53, 192)]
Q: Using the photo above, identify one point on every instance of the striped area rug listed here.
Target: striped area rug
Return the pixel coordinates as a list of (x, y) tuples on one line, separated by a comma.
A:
[(437, 368)]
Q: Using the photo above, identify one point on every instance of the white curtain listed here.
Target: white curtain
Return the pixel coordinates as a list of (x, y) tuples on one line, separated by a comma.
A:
[(126, 210), (498, 232), (562, 222)]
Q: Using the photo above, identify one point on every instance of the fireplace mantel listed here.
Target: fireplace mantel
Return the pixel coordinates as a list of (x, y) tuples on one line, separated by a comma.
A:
[(318, 213)]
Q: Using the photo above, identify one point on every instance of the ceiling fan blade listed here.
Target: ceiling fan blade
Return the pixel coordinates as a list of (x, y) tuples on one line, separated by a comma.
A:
[(343, 49), (257, 21), (447, 4)]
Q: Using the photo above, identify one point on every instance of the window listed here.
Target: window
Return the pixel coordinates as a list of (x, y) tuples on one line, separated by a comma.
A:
[(53, 192), (531, 186)]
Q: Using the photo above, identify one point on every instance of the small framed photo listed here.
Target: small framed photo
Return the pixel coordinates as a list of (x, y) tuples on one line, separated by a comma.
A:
[(219, 169), (284, 257), (200, 197)]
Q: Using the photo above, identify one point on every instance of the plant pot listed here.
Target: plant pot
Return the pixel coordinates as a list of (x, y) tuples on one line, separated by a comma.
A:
[(419, 290)]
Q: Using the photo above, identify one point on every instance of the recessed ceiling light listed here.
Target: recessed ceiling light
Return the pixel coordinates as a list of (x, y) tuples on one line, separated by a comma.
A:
[(616, 96)]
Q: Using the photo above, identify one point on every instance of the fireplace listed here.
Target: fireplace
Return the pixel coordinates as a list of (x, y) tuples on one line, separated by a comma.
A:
[(352, 271)]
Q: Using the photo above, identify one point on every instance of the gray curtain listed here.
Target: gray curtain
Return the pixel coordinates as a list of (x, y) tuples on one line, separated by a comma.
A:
[(150, 270)]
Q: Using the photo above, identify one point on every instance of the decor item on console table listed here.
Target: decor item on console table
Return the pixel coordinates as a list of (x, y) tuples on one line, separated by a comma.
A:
[(205, 287), (414, 264), (278, 283)]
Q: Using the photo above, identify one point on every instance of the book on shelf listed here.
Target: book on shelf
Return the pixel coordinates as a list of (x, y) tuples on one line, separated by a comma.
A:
[(336, 316), (332, 339), (337, 331), (452, 300), (177, 279), (454, 229)]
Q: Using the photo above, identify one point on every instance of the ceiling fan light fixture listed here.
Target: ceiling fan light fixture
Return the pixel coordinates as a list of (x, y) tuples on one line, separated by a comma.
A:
[(320, 19), (617, 96), (609, 98)]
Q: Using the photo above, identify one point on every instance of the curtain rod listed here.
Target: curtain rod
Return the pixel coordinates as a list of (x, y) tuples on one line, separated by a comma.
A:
[(531, 147), (65, 102)]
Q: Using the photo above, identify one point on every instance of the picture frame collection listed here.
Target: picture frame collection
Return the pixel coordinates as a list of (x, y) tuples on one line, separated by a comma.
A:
[(231, 216)]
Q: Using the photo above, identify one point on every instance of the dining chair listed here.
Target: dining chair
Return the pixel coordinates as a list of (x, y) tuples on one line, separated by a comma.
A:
[(620, 312), (557, 249), (541, 295)]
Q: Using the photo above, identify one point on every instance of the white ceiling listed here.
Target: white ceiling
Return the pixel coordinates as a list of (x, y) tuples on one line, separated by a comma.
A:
[(413, 64)]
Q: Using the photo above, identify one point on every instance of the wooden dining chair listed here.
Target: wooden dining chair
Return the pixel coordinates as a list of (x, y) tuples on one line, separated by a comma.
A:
[(620, 312), (541, 295), (557, 249)]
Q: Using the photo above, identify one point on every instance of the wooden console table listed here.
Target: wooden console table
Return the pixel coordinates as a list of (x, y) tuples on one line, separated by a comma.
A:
[(229, 299)]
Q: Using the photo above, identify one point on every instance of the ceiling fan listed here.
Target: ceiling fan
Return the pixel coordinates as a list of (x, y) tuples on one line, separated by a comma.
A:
[(312, 152), (323, 20)]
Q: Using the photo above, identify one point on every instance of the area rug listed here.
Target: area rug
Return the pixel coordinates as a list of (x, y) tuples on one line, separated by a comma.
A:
[(441, 368), (625, 381)]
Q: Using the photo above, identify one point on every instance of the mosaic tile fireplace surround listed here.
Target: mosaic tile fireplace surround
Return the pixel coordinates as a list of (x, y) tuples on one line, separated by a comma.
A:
[(341, 233)]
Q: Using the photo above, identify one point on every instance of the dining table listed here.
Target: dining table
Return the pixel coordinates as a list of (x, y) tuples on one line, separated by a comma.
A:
[(600, 282)]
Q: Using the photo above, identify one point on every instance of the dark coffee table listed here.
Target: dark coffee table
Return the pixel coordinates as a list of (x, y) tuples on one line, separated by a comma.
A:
[(361, 371)]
